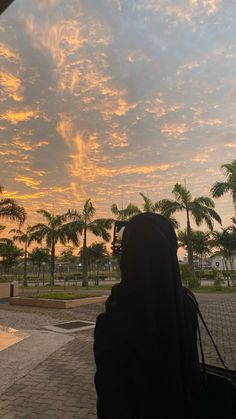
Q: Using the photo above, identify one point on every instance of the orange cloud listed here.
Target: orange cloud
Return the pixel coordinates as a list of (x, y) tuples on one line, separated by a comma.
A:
[(26, 146), (117, 139), (11, 86), (17, 195), (156, 107), (8, 53), (28, 181), (84, 77), (174, 130), (185, 13), (73, 139), (187, 67), (14, 117), (211, 122), (201, 158)]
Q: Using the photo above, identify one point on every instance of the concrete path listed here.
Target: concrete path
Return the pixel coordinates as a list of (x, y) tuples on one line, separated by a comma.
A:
[(59, 382)]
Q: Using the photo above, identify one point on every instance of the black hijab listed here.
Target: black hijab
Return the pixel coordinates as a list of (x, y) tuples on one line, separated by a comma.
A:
[(151, 298)]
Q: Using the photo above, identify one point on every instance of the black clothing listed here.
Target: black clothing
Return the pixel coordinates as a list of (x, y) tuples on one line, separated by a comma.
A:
[(145, 343)]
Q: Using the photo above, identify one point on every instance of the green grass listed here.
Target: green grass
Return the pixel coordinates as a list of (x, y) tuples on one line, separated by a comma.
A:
[(212, 290), (62, 296), (71, 287)]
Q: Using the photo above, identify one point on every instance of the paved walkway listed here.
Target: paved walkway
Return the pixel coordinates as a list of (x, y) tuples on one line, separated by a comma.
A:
[(57, 380)]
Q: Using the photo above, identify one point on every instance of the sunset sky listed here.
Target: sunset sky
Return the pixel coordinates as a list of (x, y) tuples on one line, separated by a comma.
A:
[(109, 98)]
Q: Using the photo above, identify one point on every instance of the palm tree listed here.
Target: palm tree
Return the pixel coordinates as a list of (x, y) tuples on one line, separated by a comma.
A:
[(2, 228), (97, 254), (200, 242), (83, 222), (201, 209), (225, 242), (23, 237), (67, 255), (220, 188), (9, 209), (55, 229), (38, 256), (10, 254), (150, 206), (125, 214)]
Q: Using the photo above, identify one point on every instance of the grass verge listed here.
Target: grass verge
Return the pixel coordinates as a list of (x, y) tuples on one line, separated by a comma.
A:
[(62, 296), (212, 290)]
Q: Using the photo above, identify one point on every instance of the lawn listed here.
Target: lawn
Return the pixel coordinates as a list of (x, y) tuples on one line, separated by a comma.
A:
[(212, 290), (63, 296)]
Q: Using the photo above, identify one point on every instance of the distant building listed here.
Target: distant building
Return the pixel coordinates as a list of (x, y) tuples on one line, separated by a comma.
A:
[(217, 261)]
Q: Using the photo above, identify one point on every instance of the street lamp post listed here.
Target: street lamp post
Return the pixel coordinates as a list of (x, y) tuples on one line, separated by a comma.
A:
[(43, 263)]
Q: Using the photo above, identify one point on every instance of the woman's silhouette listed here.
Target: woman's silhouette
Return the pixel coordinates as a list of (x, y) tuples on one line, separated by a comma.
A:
[(146, 341)]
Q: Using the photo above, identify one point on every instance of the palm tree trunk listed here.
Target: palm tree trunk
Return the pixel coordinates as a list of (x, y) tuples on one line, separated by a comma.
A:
[(52, 262), (25, 265), (39, 266), (85, 261), (190, 250)]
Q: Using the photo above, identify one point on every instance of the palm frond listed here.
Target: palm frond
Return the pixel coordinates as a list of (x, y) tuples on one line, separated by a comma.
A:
[(2, 228), (202, 211), (148, 205), (214, 215), (45, 214), (205, 201), (88, 210), (126, 213), (219, 189), (173, 221), (182, 195), (167, 207), (73, 215), (76, 226), (100, 228), (10, 210), (38, 232), (68, 233), (16, 231), (182, 239), (114, 209), (230, 169)]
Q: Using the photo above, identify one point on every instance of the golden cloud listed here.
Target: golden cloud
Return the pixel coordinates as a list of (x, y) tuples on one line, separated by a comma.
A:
[(14, 117), (174, 130), (201, 158), (28, 146), (210, 122), (230, 145), (118, 140), (17, 195), (39, 173), (73, 139), (11, 86), (8, 53), (187, 67), (123, 107), (30, 182), (84, 77), (156, 107), (185, 13)]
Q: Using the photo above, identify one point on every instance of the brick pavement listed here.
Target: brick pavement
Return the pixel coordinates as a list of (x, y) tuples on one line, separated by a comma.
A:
[(62, 385)]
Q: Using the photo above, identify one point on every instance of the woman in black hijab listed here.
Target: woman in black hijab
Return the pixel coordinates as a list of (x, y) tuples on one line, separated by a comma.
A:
[(145, 343)]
